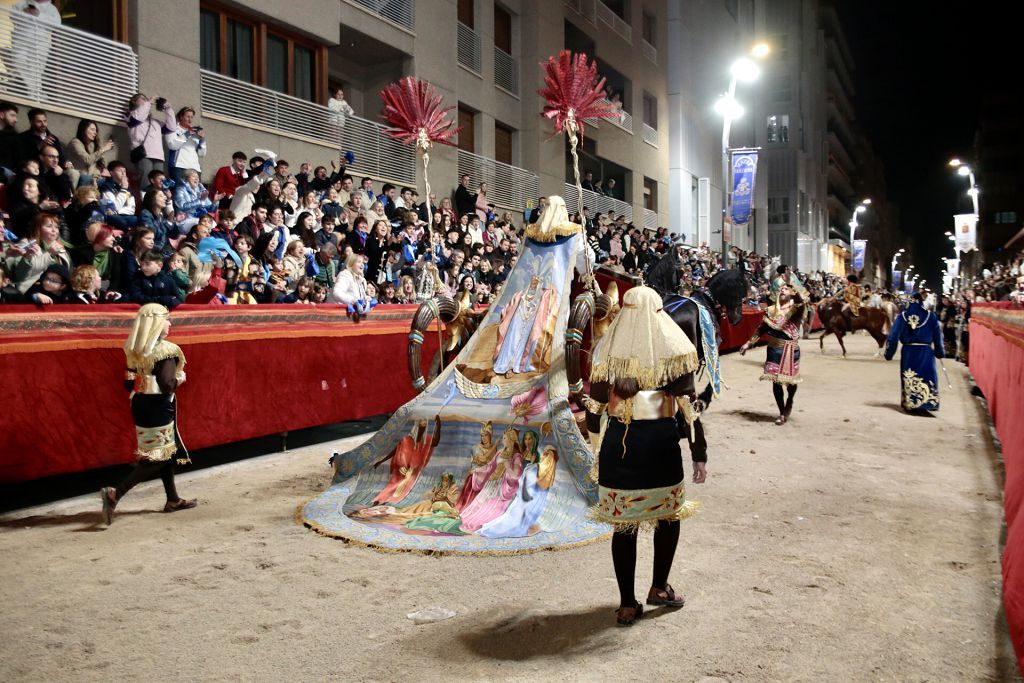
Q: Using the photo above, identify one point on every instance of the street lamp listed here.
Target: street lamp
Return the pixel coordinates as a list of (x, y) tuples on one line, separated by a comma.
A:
[(963, 169), (746, 70)]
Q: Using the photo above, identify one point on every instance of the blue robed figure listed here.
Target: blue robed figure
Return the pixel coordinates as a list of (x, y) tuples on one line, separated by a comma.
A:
[(919, 331)]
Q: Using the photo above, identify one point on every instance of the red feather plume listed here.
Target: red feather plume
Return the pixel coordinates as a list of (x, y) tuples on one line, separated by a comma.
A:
[(573, 85), (412, 106)]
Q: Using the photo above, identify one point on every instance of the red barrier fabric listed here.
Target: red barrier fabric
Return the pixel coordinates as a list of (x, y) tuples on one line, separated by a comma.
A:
[(252, 371), (997, 363)]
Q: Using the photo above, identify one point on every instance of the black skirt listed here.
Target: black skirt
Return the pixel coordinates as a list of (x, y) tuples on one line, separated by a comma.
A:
[(652, 458)]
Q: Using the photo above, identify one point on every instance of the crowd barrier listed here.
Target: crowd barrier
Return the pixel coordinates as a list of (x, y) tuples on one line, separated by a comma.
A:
[(997, 364), (252, 371)]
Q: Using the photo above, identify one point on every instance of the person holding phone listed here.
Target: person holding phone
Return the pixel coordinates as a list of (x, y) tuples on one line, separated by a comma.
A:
[(186, 144)]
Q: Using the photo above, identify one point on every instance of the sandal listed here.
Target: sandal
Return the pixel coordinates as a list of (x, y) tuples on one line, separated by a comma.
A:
[(627, 616), (665, 598), (781, 420), (107, 494), (180, 504)]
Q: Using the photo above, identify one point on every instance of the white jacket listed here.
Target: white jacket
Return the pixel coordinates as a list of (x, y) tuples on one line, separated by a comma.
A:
[(186, 149), (348, 289)]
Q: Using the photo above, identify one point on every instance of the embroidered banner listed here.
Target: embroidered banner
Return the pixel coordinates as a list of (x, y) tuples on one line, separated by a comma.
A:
[(965, 228), (744, 172), (859, 247)]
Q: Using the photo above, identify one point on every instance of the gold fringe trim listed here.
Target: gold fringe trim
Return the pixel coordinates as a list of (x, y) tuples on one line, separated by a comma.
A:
[(163, 351), (689, 509), (535, 233), (158, 454), (302, 521), (647, 377), (778, 379)]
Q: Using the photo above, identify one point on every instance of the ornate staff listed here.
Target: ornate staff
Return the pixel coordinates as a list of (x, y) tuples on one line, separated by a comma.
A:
[(574, 92), (412, 109)]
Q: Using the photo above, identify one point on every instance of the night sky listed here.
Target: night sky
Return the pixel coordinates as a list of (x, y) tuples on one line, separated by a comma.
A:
[(920, 69)]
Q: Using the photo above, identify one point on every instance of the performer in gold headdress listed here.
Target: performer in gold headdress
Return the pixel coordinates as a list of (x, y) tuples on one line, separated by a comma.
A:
[(155, 369), (643, 372)]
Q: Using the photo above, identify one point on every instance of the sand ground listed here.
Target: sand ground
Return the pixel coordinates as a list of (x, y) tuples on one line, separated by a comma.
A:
[(855, 543)]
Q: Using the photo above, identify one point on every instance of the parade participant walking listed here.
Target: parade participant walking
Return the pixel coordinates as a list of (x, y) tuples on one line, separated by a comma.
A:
[(782, 366), (918, 330), (643, 375), (155, 369)]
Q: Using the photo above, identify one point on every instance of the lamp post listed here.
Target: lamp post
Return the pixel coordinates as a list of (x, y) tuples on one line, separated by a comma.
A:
[(892, 266), (861, 208), (743, 69), (965, 170)]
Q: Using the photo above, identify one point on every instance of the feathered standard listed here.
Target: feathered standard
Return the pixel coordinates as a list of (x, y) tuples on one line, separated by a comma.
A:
[(575, 92)]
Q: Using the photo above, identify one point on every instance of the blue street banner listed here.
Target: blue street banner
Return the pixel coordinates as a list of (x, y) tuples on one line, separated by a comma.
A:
[(897, 279), (859, 247), (907, 284), (744, 173)]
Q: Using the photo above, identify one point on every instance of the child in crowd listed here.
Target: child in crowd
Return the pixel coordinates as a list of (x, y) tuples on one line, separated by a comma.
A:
[(150, 285), (178, 273)]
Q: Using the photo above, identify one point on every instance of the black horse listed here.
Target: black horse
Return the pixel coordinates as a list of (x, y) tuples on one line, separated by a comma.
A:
[(723, 296)]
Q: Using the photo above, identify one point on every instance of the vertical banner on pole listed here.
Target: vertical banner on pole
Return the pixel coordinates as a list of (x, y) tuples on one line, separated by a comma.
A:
[(965, 227), (744, 173), (859, 247), (897, 279), (953, 267)]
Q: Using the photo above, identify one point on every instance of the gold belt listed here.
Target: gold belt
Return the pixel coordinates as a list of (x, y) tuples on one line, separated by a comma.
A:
[(647, 405), (777, 343)]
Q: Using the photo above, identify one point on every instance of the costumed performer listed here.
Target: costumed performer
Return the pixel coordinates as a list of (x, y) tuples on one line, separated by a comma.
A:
[(155, 369), (918, 330), (852, 296), (782, 365), (643, 375)]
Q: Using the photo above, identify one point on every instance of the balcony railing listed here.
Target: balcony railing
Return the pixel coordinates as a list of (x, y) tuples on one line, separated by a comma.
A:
[(649, 51), (597, 203), (256, 107), (650, 135), (617, 23), (650, 219), (469, 49), (506, 71), (508, 186), (401, 12), (624, 121), (64, 68)]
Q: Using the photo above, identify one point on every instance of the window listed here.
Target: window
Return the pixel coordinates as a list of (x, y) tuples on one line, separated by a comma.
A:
[(778, 128), (1006, 217), (502, 29), (781, 89), (502, 143), (262, 54), (651, 111), (650, 194), (650, 29), (778, 210), (467, 136), (619, 7), (107, 18), (465, 12)]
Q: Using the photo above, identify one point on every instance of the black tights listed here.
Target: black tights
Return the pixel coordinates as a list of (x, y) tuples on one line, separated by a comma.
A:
[(147, 469), (666, 537), (785, 406)]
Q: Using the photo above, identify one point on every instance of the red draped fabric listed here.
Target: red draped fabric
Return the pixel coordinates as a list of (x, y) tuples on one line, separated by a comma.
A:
[(997, 363), (252, 371)]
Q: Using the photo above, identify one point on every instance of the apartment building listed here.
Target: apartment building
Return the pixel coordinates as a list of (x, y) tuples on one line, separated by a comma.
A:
[(259, 74)]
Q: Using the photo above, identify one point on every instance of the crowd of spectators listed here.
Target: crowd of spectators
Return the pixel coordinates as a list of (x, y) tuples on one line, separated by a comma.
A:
[(86, 223)]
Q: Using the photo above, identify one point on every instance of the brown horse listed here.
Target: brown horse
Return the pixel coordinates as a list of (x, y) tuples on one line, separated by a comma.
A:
[(874, 320)]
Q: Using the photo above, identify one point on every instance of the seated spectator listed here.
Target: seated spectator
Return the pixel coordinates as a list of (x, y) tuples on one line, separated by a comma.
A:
[(87, 287), (321, 180), (290, 202), (320, 293), (350, 287), (309, 203), (188, 250), (366, 189), (52, 286), (155, 217), (387, 294), (38, 135), (331, 206), (225, 228), (303, 293), (230, 178), (354, 209), (117, 199), (327, 234), (186, 143), (406, 290), (29, 205), (192, 199), (245, 196), (143, 240), (45, 249), (252, 225), (305, 229), (105, 255), (281, 174), (275, 224), (376, 213), (151, 285), (87, 155), (359, 236), (53, 176), (326, 261), (145, 134), (178, 272), (294, 261), (80, 213)]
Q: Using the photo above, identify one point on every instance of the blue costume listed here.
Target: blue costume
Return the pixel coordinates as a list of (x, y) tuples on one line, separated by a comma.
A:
[(919, 331)]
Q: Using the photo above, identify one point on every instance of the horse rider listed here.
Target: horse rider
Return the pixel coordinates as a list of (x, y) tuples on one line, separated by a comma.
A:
[(851, 298)]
